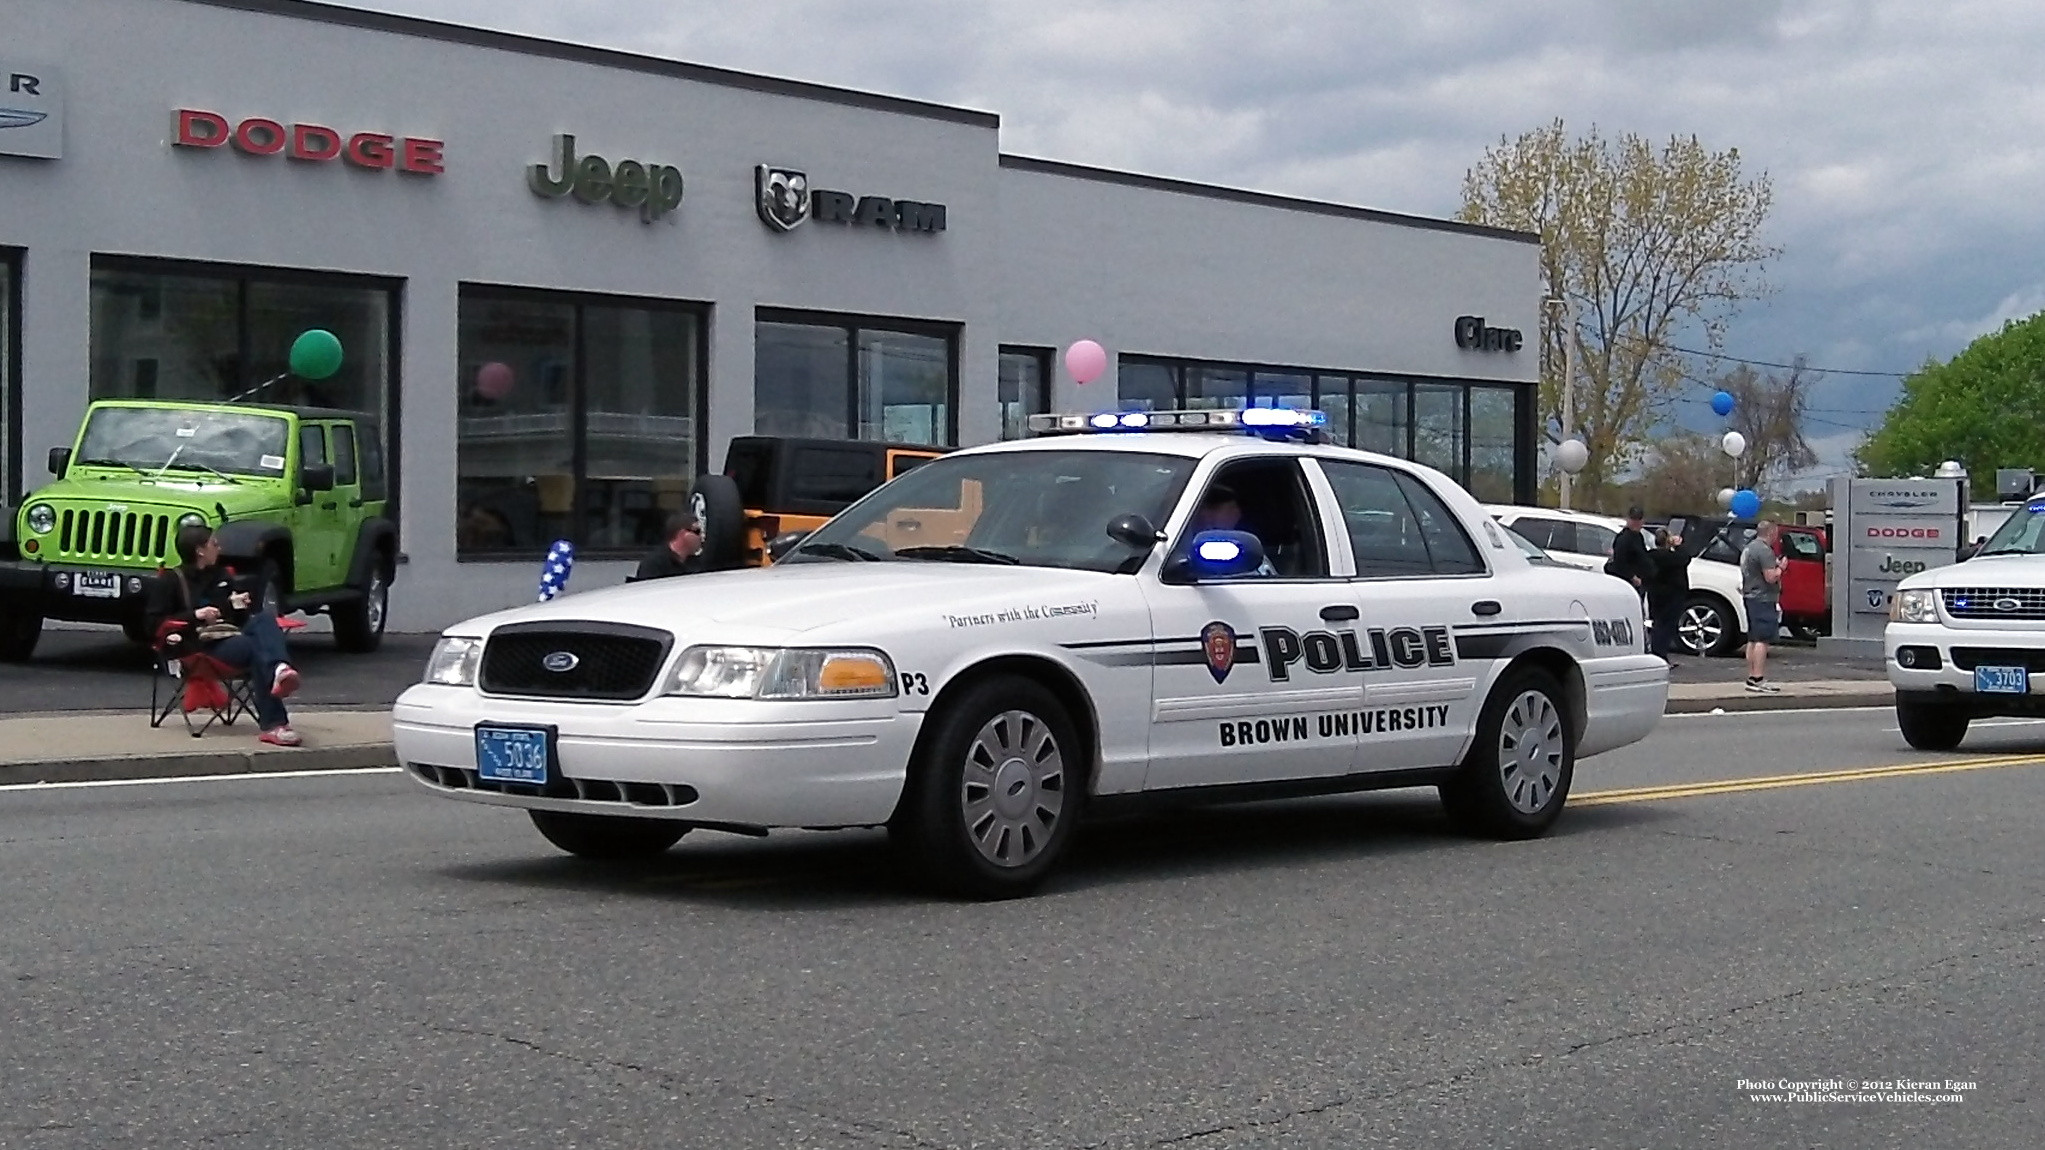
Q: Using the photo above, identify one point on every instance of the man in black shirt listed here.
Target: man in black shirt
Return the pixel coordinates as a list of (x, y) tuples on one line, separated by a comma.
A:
[(1629, 553), (682, 554)]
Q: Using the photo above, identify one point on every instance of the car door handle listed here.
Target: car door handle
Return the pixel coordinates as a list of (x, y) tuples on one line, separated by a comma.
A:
[(1340, 613), (1485, 607), (328, 506), (354, 503)]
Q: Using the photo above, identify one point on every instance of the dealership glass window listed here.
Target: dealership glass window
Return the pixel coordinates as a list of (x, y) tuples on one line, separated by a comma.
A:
[(1383, 415), (164, 331), (10, 396), (851, 378), (1282, 389), (1438, 427), (1222, 388), (578, 419), (1493, 434), (1145, 386), (1025, 385)]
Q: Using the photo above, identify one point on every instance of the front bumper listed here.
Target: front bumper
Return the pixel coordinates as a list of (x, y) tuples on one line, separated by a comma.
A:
[(50, 590), (1624, 699), (1958, 651), (739, 763)]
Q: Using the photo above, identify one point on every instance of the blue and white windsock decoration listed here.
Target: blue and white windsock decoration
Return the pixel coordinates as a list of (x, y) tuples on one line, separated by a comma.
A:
[(554, 572)]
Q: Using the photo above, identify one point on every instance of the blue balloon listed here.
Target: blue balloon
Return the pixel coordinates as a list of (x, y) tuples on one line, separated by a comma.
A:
[(1746, 504), (1721, 403), (555, 569)]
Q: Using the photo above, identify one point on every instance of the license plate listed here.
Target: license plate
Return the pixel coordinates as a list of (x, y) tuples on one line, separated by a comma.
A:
[(96, 585), (514, 754), (2002, 680)]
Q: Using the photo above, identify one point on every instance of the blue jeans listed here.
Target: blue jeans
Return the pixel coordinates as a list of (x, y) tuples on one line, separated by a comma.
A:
[(258, 650)]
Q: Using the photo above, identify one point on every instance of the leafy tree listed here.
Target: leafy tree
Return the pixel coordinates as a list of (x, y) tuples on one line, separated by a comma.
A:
[(1645, 243), (1984, 407)]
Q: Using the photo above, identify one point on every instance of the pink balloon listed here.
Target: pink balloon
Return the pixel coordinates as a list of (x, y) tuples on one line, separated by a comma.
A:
[(493, 381), (1086, 360)]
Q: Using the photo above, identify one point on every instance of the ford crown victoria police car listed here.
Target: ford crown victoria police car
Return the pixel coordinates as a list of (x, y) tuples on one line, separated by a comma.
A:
[(1967, 641), (980, 650)]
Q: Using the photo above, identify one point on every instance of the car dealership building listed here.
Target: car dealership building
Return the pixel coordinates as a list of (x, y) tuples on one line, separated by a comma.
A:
[(565, 277)]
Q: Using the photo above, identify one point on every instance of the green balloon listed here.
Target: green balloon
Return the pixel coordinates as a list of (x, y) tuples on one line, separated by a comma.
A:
[(316, 354)]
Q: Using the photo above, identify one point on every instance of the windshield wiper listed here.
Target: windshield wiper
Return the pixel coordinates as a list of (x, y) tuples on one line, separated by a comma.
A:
[(203, 467), (2003, 551), (838, 551), (110, 463), (958, 554)]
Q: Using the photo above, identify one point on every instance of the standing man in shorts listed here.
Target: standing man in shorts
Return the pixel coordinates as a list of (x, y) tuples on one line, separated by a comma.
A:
[(1761, 586)]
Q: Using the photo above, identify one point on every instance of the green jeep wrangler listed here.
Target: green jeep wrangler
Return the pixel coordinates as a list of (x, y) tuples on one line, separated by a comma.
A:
[(296, 496)]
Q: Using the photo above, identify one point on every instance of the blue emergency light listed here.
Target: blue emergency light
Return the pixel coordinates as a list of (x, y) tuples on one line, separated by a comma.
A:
[(1271, 422)]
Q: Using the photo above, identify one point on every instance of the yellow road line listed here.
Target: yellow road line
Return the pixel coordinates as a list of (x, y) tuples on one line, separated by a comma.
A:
[(1814, 778)]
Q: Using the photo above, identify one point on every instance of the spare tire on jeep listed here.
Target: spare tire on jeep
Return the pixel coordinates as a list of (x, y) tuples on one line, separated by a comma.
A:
[(715, 500)]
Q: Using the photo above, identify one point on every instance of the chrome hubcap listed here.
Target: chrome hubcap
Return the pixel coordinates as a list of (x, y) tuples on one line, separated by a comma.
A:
[(1530, 749), (1013, 791), (1700, 629), (379, 593)]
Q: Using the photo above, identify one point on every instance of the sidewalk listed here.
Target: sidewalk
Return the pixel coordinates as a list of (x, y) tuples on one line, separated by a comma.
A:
[(76, 746), (1797, 694)]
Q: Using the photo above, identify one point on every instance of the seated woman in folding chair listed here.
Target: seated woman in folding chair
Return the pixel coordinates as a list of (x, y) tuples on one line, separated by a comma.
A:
[(196, 609)]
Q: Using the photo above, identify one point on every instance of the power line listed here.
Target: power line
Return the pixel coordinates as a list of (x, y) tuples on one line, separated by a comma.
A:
[(1791, 366)]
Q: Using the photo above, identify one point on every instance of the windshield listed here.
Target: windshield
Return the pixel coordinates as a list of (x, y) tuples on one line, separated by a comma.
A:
[(1034, 508), (1528, 547), (2020, 534), (149, 438)]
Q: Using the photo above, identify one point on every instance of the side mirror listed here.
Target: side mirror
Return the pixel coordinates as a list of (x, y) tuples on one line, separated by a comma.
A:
[(783, 543), (1215, 555), (60, 461), (1134, 531), (316, 476)]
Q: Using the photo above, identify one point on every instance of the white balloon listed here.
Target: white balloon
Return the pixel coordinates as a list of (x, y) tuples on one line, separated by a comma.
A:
[(1571, 455), (1734, 444), (1725, 497)]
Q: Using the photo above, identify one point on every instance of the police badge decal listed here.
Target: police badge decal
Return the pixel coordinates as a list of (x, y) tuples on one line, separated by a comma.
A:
[(1218, 644), (783, 196)]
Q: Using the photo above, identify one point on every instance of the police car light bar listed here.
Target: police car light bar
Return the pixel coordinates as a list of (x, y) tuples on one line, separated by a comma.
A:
[(1252, 419)]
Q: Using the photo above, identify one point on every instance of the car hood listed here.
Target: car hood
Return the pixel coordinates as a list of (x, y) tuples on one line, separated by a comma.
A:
[(2014, 571), (181, 490), (831, 602)]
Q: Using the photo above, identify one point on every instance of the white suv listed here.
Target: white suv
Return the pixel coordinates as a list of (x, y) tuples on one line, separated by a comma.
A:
[(1714, 620), (1967, 641)]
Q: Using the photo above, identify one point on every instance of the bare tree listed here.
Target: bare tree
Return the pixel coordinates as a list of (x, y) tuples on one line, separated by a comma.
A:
[(1681, 475), (1770, 411), (1645, 243)]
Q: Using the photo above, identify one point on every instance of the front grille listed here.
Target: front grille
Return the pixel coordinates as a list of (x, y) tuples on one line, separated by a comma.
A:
[(604, 660), (1968, 658), (118, 536), (1994, 602), (586, 790)]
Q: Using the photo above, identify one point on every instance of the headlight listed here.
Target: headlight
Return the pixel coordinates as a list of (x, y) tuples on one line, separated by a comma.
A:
[(42, 519), (1915, 607), (453, 662), (775, 673), (191, 519)]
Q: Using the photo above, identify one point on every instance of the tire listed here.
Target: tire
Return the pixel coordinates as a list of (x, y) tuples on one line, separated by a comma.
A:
[(137, 631), (716, 501), (608, 838), (1516, 777), (269, 589), (1931, 726), (359, 623), (18, 635), (1706, 627), (994, 792)]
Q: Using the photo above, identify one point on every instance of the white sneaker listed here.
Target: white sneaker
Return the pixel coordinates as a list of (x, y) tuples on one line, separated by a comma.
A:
[(1762, 687)]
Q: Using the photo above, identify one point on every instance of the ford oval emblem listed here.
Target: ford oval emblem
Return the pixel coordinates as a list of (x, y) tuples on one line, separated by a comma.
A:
[(2007, 604), (561, 662)]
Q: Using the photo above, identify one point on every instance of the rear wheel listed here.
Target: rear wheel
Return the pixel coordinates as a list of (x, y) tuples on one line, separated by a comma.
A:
[(1516, 777), (722, 512), (19, 631), (1931, 726), (994, 792), (269, 595), (608, 837), (358, 624)]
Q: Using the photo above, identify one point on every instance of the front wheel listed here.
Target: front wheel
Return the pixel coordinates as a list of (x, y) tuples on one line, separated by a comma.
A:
[(1706, 627), (994, 791), (608, 838), (358, 625), (1516, 777), (1931, 726), (18, 635)]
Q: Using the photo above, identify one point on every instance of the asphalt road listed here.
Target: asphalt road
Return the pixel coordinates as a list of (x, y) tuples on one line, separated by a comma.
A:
[(348, 961)]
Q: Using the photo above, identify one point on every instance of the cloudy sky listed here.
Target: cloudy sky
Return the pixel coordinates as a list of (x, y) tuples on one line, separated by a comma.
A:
[(1905, 138)]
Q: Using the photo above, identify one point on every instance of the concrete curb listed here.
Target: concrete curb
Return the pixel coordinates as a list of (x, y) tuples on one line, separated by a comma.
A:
[(242, 762), (1882, 697)]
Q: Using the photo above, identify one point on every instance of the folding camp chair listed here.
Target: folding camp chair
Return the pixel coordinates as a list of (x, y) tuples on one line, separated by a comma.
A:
[(202, 690)]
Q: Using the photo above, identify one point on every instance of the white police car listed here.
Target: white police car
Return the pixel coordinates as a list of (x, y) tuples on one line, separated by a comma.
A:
[(1967, 641), (983, 649)]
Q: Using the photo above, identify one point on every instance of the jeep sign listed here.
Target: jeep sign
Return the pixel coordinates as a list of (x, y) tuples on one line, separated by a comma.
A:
[(653, 189)]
